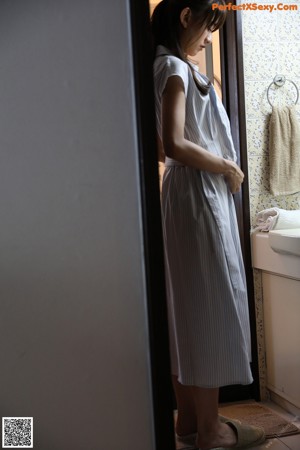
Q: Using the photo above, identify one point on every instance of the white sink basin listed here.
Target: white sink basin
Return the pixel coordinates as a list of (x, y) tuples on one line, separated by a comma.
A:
[(285, 241)]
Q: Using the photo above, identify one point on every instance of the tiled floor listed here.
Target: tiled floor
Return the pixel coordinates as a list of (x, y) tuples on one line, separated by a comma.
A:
[(283, 443)]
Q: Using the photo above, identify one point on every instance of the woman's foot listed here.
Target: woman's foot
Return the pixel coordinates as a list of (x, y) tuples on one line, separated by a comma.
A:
[(233, 433), (182, 432), (188, 441), (220, 436)]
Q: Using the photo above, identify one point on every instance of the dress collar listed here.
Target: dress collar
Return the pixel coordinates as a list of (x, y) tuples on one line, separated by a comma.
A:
[(162, 50)]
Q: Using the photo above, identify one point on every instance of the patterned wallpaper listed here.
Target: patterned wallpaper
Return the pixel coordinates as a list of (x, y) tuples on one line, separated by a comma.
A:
[(271, 46)]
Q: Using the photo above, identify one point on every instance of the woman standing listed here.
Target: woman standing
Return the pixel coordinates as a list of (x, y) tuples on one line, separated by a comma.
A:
[(206, 288)]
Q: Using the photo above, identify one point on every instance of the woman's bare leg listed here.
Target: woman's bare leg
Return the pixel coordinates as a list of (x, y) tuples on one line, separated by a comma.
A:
[(186, 418), (211, 432)]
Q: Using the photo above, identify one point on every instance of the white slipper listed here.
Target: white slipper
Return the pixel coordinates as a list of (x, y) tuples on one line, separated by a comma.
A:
[(187, 442)]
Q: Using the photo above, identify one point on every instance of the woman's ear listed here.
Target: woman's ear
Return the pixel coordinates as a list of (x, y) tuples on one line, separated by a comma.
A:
[(185, 17)]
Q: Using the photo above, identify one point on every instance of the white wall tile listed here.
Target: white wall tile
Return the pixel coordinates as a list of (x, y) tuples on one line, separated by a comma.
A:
[(271, 46)]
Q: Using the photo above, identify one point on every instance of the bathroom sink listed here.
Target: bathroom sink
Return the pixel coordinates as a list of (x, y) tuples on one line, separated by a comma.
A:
[(266, 259), (285, 241)]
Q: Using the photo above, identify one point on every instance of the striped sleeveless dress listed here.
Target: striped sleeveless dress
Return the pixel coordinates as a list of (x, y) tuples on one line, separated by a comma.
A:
[(206, 288)]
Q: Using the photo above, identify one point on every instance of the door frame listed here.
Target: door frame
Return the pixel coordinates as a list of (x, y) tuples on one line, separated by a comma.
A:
[(162, 395), (233, 97)]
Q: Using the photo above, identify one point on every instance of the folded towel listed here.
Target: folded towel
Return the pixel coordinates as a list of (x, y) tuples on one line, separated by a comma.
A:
[(284, 151), (277, 219)]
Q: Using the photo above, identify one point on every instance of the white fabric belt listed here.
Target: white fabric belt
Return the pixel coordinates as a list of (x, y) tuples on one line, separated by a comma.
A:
[(169, 162)]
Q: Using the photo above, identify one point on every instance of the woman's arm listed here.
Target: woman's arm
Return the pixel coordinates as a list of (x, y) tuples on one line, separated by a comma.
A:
[(186, 152)]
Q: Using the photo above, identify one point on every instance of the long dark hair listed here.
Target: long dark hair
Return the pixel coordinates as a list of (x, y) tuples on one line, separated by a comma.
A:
[(165, 25)]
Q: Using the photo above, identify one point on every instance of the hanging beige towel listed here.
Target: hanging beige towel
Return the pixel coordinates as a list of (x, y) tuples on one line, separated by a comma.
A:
[(284, 151)]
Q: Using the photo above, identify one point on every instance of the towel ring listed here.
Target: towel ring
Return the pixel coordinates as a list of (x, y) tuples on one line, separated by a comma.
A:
[(279, 81)]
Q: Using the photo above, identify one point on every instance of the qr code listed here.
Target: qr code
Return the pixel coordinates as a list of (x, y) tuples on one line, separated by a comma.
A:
[(17, 432)]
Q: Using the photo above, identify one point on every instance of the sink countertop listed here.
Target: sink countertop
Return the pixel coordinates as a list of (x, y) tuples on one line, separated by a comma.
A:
[(264, 258)]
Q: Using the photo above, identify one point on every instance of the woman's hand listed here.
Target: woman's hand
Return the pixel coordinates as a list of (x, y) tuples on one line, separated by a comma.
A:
[(234, 177)]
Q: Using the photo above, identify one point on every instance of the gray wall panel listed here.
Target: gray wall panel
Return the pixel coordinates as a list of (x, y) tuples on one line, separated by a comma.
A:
[(74, 343)]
